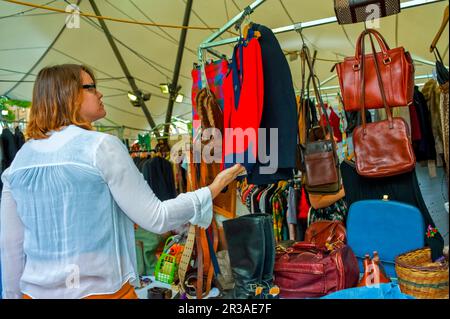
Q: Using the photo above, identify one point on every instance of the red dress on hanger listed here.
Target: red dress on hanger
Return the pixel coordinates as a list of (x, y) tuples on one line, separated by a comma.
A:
[(243, 105)]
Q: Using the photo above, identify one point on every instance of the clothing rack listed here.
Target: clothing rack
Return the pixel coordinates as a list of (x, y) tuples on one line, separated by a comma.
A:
[(8, 123), (208, 43), (294, 27)]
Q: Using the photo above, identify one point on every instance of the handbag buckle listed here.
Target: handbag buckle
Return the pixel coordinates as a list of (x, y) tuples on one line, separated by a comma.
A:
[(356, 67), (387, 60)]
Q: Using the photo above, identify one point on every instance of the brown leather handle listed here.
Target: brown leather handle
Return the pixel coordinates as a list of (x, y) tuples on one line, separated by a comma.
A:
[(305, 85), (317, 93), (380, 84), (359, 52), (303, 247), (332, 231)]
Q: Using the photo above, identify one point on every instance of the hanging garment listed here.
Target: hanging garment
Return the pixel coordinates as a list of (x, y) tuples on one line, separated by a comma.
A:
[(304, 205), (424, 149), (354, 120), (416, 134), (279, 206), (432, 96), (292, 205), (403, 188), (444, 105), (243, 90), (264, 203), (334, 122), (336, 211), (442, 77), (279, 109), (158, 173), (9, 147), (307, 118), (19, 138), (215, 73)]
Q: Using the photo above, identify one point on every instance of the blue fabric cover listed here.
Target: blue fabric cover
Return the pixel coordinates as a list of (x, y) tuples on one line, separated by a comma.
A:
[(389, 227), (382, 291)]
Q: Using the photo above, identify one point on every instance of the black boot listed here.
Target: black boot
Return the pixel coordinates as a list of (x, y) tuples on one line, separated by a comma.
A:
[(270, 291), (246, 248)]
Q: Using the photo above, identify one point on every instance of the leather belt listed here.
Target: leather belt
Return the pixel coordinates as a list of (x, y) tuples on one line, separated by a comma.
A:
[(199, 176), (186, 257), (200, 251)]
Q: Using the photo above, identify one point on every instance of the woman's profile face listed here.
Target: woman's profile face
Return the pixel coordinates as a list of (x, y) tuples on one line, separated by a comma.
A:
[(92, 108)]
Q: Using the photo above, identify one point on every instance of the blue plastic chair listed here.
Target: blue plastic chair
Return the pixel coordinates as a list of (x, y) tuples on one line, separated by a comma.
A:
[(391, 228)]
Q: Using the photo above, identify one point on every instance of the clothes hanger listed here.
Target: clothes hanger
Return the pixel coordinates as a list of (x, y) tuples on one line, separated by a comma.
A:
[(240, 21), (441, 30)]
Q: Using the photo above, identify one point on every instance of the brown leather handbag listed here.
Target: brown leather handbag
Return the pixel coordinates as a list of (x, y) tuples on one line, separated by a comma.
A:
[(353, 11), (396, 69), (382, 148), (326, 234), (307, 271), (320, 158)]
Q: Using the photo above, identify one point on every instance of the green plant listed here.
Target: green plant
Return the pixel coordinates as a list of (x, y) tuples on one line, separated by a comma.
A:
[(5, 105)]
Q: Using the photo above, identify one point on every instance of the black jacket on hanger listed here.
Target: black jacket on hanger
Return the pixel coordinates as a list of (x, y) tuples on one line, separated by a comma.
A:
[(9, 147), (279, 108), (403, 188), (424, 149), (159, 175), (19, 138)]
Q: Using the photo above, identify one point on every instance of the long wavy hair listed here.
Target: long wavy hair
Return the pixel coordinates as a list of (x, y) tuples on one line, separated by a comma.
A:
[(57, 98)]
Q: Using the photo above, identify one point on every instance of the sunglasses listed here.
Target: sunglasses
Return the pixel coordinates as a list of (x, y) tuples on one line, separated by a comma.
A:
[(90, 87)]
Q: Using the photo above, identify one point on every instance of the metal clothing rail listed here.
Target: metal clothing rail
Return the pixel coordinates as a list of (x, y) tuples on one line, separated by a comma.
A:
[(298, 26)]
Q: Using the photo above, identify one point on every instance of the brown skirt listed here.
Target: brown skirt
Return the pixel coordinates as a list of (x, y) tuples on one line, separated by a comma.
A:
[(126, 292)]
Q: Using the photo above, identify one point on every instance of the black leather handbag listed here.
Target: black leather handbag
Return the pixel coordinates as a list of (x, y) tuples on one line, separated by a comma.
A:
[(353, 11)]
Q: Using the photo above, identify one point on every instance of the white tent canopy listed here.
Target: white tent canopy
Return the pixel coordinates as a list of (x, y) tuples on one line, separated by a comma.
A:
[(26, 33)]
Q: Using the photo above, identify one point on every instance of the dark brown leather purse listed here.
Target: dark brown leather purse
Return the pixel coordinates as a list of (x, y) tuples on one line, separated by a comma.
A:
[(382, 148), (397, 74), (326, 234), (353, 11), (319, 154)]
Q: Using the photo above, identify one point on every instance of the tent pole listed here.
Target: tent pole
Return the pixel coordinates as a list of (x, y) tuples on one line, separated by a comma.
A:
[(124, 67), (173, 91)]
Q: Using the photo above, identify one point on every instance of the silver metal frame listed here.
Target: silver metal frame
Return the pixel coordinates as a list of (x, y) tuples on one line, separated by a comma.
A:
[(301, 25)]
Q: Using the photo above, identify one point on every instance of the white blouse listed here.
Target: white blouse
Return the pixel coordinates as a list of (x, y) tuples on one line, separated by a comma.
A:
[(67, 211)]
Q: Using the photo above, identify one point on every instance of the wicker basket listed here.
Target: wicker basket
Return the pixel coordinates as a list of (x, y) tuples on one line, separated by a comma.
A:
[(421, 278)]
